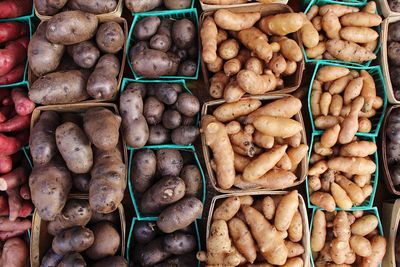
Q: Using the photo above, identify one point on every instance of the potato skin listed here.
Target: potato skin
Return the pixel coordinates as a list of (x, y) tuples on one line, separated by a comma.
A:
[(62, 87), (185, 135), (71, 27), (153, 253), (166, 191), (180, 214), (72, 259), (81, 182), (183, 33), (187, 68), (50, 185), (74, 147), (76, 239), (93, 6), (110, 37), (151, 63), (76, 212), (171, 119), (115, 261), (169, 162), (166, 93), (43, 56), (143, 169), (106, 241), (188, 104), (137, 48), (191, 175), (179, 243), (42, 142), (158, 134), (177, 4), (51, 258), (162, 39), (153, 110), (85, 54), (146, 28), (186, 260), (144, 232), (142, 6), (46, 7)]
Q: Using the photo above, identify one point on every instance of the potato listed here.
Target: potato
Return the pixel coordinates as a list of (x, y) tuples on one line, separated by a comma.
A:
[(43, 56), (177, 4), (191, 175), (187, 104), (94, 6), (232, 21), (187, 68), (355, 165), (137, 48), (162, 39), (74, 147), (218, 241), (153, 253), (318, 233), (106, 241), (151, 63), (166, 191), (48, 7), (76, 212), (144, 232), (171, 119), (242, 239), (153, 110), (228, 49), (185, 135), (71, 27), (81, 182), (364, 225), (183, 33), (115, 261), (146, 28), (227, 209), (142, 6), (349, 51), (51, 258), (331, 73), (323, 200), (286, 210), (179, 243), (72, 259), (277, 127), (112, 217), (110, 37), (180, 214), (143, 170), (169, 162), (378, 244), (84, 54), (185, 260), (75, 239), (166, 93), (158, 134)]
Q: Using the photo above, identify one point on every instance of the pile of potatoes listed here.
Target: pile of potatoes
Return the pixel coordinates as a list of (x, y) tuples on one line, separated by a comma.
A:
[(158, 113), (75, 58), (265, 231), (52, 7), (167, 182), (255, 146), (393, 47), (340, 176), (80, 149), (164, 47), (393, 145), (346, 239), (82, 236), (148, 5), (152, 247), (236, 49), (344, 101), (344, 32)]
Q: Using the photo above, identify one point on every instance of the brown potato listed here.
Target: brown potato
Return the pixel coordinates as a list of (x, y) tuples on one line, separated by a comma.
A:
[(146, 28), (143, 170), (75, 239), (110, 37), (169, 162), (153, 110), (93, 6), (84, 54), (106, 241), (183, 33), (152, 63)]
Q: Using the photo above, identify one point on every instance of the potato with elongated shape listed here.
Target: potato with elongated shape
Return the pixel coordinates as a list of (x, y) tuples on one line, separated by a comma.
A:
[(257, 42), (230, 111), (297, 154), (242, 239), (349, 51), (218, 241), (290, 49), (368, 90), (352, 165), (361, 19), (364, 225), (341, 198), (358, 149), (263, 163), (273, 180), (295, 231), (228, 208), (231, 21), (318, 232), (331, 25), (277, 126), (338, 85), (349, 125), (286, 210), (353, 90), (360, 35), (378, 245), (338, 10), (309, 34), (331, 73), (330, 136), (361, 245), (76, 239), (281, 24), (323, 200), (208, 35)]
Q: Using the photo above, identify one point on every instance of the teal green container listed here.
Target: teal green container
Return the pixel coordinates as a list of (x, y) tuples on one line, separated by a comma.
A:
[(27, 154), (130, 242), (24, 80), (374, 177), (356, 3), (190, 149), (372, 210), (28, 16), (307, 2), (172, 14), (376, 73)]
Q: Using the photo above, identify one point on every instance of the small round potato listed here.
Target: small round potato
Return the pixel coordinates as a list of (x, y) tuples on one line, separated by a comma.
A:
[(171, 119), (187, 68), (183, 33), (158, 134), (228, 49), (146, 28), (72, 259), (110, 37), (152, 63), (84, 54), (188, 104), (106, 241), (153, 110), (166, 93), (115, 261), (193, 181), (169, 161), (185, 135), (144, 232)]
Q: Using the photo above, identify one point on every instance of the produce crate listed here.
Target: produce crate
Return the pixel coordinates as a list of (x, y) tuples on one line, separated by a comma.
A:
[(391, 218), (24, 81), (356, 3), (26, 17), (208, 7), (386, 11), (172, 14), (41, 239), (384, 58), (387, 176), (307, 2), (372, 210), (292, 82), (210, 106), (302, 208), (116, 13), (376, 73), (130, 242), (134, 196), (121, 56), (374, 177)]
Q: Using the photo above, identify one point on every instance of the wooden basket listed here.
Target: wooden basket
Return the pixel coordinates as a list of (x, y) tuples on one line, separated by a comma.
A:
[(116, 13), (121, 55), (208, 7), (302, 208), (386, 11), (302, 170), (390, 222), (387, 176), (41, 239), (291, 82), (384, 57)]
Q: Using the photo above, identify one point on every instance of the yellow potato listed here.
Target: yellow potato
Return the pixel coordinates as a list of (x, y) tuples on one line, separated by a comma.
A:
[(330, 136), (218, 241), (263, 140), (231, 21), (353, 190), (230, 111), (338, 10), (290, 49), (216, 65), (358, 149), (352, 165), (254, 64), (284, 163), (312, 12), (281, 24), (297, 154), (256, 84), (359, 35), (257, 42), (246, 200), (277, 126), (318, 232), (318, 168), (228, 49), (242, 239), (286, 210), (316, 51), (233, 92), (309, 34), (273, 180), (368, 91), (208, 34), (341, 198), (331, 25), (378, 244), (362, 180), (349, 51), (291, 67), (353, 90), (323, 200), (217, 84), (361, 246), (331, 73), (361, 19), (295, 231), (339, 85), (294, 249), (268, 207), (228, 208), (294, 262)]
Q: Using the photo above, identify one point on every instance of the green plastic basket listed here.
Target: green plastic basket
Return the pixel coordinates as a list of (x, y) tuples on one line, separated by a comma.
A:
[(376, 73), (172, 14), (130, 242), (24, 81), (27, 154), (374, 177), (355, 3), (162, 10), (191, 149), (28, 16), (372, 210), (307, 2)]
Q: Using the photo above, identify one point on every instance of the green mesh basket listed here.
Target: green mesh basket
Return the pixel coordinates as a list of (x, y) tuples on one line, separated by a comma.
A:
[(355, 3), (130, 242), (372, 210), (368, 203), (171, 14), (376, 73), (134, 196)]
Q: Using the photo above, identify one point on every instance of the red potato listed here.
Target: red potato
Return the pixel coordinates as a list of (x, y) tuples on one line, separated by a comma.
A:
[(18, 225), (3, 203), (14, 203), (9, 145), (13, 76), (15, 8), (5, 164), (25, 211), (4, 93), (5, 112), (7, 235), (11, 56), (8, 102), (17, 123), (23, 137), (22, 104), (12, 30), (13, 179), (15, 253), (24, 192)]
